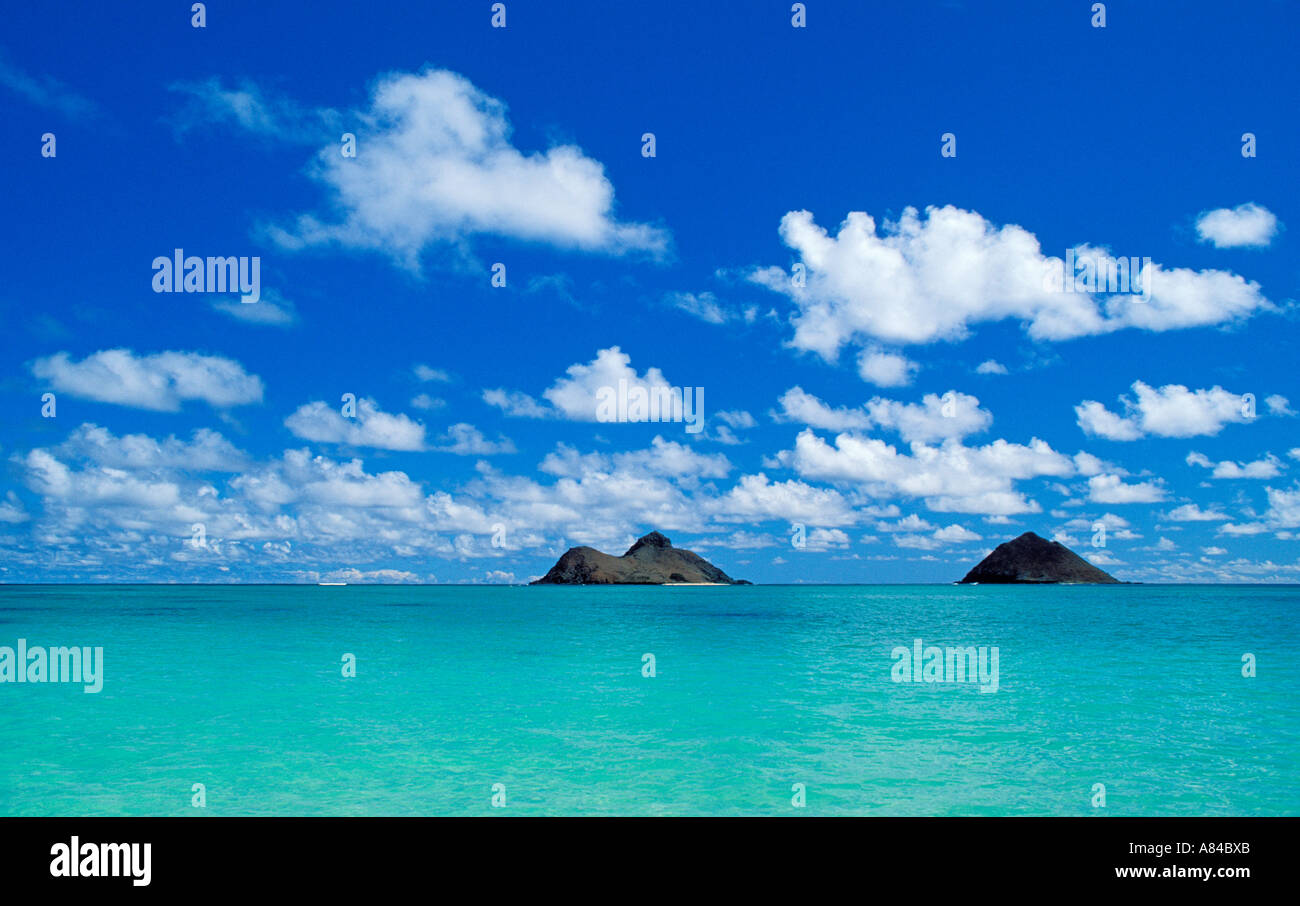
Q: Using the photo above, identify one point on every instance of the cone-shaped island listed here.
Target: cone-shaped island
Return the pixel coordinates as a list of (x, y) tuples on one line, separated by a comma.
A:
[(1031, 560)]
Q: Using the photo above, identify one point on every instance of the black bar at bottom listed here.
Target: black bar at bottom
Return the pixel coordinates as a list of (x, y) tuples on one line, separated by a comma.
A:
[(658, 858)]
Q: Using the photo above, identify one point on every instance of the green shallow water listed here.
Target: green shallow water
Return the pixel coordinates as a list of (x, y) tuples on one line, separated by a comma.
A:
[(758, 688)]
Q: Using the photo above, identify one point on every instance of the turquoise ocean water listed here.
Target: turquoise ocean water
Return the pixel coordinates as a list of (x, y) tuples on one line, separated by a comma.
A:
[(1139, 688)]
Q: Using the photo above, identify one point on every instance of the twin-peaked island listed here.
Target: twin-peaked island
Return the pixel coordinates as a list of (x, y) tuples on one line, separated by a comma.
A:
[(1027, 560), (651, 561)]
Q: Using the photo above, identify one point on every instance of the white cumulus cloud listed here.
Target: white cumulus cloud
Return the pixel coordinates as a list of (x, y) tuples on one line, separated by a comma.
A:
[(932, 277), (1247, 224), (161, 382), (1268, 467), (370, 427), (1112, 489), (464, 439), (886, 369), (1190, 512), (576, 395), (936, 417), (1169, 411), (436, 164), (949, 478)]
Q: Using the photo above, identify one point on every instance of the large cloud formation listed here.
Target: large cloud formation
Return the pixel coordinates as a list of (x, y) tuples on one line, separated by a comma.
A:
[(434, 164), (931, 277)]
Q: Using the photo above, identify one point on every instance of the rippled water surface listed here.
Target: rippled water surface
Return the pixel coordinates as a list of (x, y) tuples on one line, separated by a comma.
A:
[(1139, 688)]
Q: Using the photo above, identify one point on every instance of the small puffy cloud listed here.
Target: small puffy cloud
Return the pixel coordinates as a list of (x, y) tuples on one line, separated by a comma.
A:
[(1239, 529), (354, 576), (1278, 404), (755, 498), (1283, 508), (736, 418), (426, 402), (1190, 512), (952, 534), (909, 523), (1117, 527), (251, 109), (724, 435), (1268, 467), (936, 417), (1087, 464), (708, 308), (663, 458), (1169, 411), (435, 375), (1112, 489), (824, 539), (728, 419), (370, 427), (577, 395), (886, 369), (46, 92), (991, 366), (1104, 558), (702, 305), (466, 440), (1114, 524), (272, 310), (1249, 225), (205, 451), (160, 382), (800, 407), (674, 460), (1095, 419), (514, 403), (12, 510)]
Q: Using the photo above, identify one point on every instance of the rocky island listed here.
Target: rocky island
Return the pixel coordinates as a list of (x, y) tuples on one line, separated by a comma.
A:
[(1032, 560), (651, 561)]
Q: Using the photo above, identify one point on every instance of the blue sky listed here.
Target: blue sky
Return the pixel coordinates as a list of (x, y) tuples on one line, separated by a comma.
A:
[(883, 358)]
